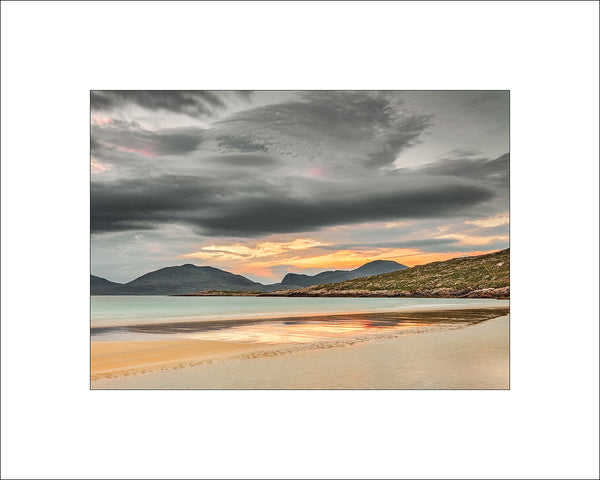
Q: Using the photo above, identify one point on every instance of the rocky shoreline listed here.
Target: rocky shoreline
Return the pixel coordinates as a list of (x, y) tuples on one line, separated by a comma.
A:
[(499, 293)]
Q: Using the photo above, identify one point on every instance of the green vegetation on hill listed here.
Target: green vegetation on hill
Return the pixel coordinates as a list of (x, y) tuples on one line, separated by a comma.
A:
[(480, 276)]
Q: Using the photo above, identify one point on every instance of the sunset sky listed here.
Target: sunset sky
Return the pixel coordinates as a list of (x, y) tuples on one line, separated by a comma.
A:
[(266, 183)]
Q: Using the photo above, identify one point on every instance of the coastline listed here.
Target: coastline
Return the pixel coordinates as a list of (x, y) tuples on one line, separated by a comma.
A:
[(213, 364), (246, 318), (502, 293)]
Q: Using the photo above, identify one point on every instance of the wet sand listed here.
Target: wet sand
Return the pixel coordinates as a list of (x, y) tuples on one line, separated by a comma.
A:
[(116, 359), (472, 357)]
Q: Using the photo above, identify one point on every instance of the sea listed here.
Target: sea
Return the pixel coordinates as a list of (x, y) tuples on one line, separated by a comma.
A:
[(277, 320)]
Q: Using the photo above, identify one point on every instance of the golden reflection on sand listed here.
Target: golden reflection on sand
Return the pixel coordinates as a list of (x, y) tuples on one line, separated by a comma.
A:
[(192, 343), (282, 333)]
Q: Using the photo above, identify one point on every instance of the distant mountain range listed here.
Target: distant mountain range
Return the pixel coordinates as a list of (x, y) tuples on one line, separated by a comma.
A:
[(372, 268), (188, 279)]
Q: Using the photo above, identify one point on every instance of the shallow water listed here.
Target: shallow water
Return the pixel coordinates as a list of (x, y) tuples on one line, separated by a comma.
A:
[(279, 321), (130, 310)]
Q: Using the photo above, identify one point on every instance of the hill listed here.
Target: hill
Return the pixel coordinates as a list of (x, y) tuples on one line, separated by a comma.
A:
[(101, 286), (190, 279), (182, 279), (333, 276), (484, 276)]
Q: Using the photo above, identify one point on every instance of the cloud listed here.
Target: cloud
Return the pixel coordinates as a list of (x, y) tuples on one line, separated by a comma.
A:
[(317, 160), (491, 222), (318, 165), (464, 239), (98, 167), (239, 143), (420, 243), (145, 203), (242, 160), (252, 206), (116, 135), (259, 216), (461, 153), (350, 259), (191, 103), (315, 134), (491, 232), (256, 250), (491, 171), (343, 130)]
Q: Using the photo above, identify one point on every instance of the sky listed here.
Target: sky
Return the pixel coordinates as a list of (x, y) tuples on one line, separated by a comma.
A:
[(267, 183)]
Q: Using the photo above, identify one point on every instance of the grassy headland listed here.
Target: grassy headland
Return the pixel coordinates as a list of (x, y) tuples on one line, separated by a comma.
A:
[(483, 276)]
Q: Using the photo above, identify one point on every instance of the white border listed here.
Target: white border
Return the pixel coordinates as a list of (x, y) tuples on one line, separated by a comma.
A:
[(546, 53)]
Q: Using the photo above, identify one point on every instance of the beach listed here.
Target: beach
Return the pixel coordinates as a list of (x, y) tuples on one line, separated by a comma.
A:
[(469, 356), (117, 359)]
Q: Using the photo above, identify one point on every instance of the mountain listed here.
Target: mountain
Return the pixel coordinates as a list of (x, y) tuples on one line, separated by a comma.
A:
[(484, 276), (101, 285), (372, 268), (189, 279), (182, 279)]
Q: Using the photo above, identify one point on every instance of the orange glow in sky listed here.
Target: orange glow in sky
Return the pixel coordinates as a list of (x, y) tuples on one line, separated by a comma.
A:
[(302, 254)]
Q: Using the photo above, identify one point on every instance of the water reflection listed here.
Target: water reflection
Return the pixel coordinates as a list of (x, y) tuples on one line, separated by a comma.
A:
[(305, 332), (323, 328)]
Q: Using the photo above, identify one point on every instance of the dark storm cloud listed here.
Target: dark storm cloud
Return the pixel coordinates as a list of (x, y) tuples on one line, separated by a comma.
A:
[(191, 103), (252, 208), (316, 160), (145, 203), (279, 215)]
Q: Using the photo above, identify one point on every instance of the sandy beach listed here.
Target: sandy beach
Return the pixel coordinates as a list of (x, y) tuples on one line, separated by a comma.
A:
[(472, 357), (117, 359)]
